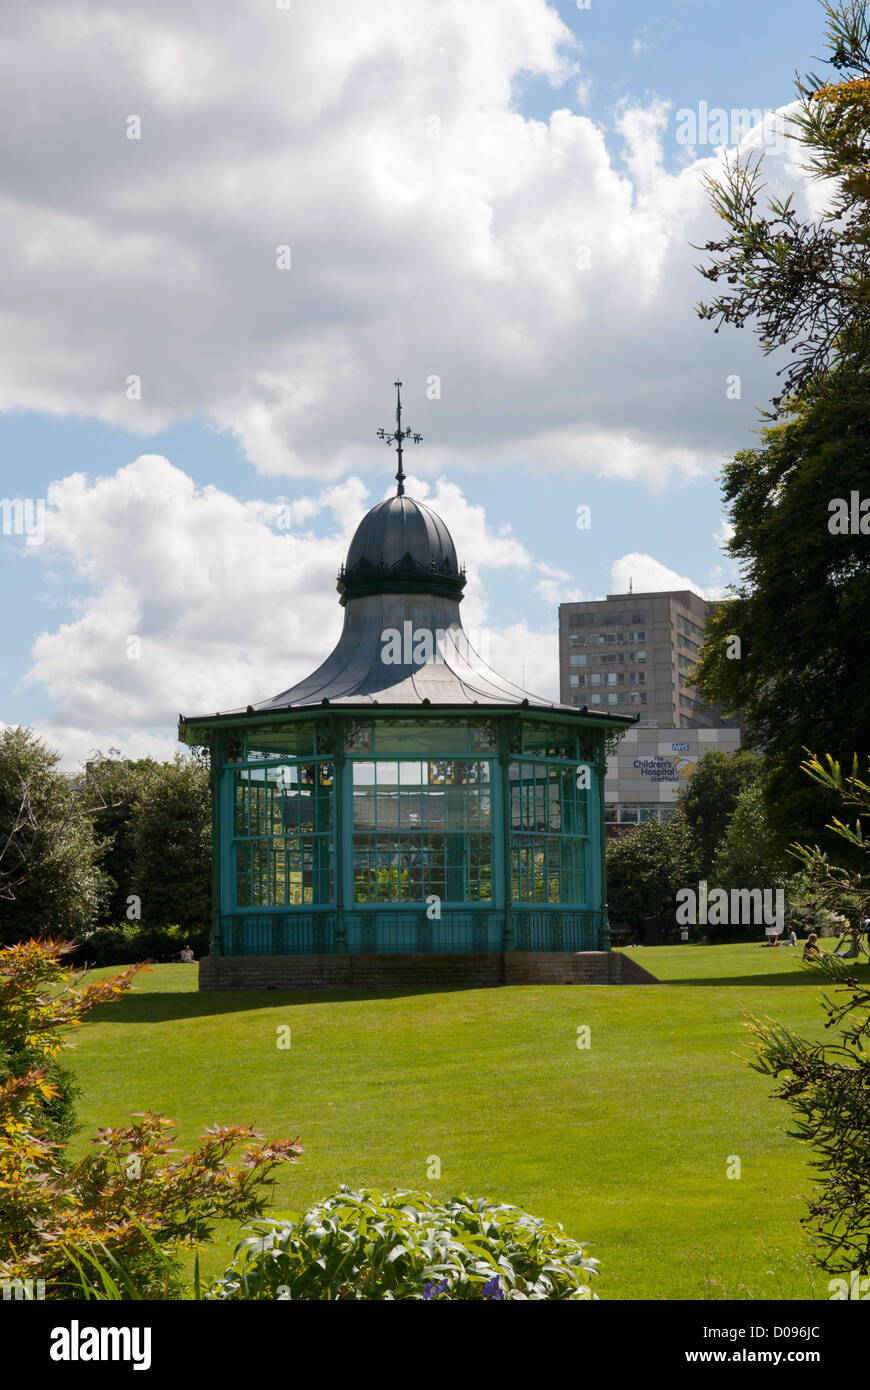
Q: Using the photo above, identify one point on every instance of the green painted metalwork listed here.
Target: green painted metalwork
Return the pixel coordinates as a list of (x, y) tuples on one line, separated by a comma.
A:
[(296, 774)]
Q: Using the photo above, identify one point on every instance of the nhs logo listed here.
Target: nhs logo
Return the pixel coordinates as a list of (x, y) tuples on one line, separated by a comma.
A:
[(679, 747)]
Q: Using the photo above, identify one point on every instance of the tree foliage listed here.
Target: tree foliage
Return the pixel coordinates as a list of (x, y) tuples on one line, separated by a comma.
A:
[(172, 845), (827, 1084), (646, 867), (113, 790), (155, 823), (709, 799), (747, 856), (800, 607), (50, 880), (805, 281)]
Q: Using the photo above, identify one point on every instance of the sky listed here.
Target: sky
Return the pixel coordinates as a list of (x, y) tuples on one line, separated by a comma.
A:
[(229, 227)]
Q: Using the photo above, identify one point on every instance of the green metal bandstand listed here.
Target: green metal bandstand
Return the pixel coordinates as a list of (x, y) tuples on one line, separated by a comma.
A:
[(405, 797)]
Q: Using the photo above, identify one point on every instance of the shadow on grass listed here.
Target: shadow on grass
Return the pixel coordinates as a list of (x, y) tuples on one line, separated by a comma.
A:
[(793, 977), (162, 1008)]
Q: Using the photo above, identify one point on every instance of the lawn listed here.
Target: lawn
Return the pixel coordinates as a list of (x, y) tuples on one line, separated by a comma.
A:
[(628, 1143)]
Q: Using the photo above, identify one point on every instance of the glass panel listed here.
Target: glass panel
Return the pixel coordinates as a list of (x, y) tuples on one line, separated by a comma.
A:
[(283, 835), (358, 737), (277, 741), (484, 738), (422, 736), (422, 828), (550, 741), (549, 831)]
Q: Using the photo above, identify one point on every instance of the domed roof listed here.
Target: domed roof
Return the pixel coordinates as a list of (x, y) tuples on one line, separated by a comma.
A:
[(401, 544)]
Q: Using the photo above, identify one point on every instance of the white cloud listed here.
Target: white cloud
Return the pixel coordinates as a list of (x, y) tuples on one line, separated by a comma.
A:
[(434, 231), (555, 587), (527, 657), (645, 574), (197, 602), (226, 606)]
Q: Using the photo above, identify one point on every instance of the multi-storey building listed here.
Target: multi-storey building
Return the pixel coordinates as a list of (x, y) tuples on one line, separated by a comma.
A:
[(633, 654)]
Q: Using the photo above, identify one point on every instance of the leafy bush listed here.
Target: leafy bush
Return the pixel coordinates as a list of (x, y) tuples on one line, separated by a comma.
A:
[(392, 1245), (127, 1202), (646, 868), (134, 941)]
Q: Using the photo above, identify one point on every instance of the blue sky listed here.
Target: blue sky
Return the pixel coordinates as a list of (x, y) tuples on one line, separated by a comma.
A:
[(734, 54), (556, 390)]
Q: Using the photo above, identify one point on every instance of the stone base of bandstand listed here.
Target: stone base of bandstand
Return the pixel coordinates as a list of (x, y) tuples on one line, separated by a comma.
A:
[(421, 971)]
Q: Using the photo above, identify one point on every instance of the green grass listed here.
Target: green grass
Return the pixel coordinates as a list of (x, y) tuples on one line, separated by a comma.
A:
[(627, 1143)]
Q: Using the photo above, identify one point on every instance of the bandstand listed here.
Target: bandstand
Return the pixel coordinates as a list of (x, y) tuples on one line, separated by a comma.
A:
[(405, 812)]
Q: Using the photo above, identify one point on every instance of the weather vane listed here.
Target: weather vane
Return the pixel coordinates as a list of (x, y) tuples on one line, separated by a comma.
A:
[(398, 437)]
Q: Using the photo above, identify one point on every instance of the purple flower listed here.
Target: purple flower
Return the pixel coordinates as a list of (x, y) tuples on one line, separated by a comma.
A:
[(434, 1290), (492, 1290)]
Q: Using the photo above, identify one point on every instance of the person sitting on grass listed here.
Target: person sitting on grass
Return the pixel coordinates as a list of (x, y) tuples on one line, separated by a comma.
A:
[(186, 954), (811, 949)]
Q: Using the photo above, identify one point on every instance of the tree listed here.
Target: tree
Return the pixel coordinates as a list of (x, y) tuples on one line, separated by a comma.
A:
[(114, 790), (800, 677), (709, 799), (805, 282), (172, 839), (646, 867), (843, 888), (827, 1084), (747, 856), (49, 877)]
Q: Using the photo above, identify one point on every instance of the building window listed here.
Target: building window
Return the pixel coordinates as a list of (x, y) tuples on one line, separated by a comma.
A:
[(640, 656), (577, 660), (595, 699), (595, 678), (577, 639), (613, 699)]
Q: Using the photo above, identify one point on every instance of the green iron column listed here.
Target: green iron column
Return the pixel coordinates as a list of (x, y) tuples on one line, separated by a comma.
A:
[(504, 762), (339, 829), (216, 758), (600, 769)]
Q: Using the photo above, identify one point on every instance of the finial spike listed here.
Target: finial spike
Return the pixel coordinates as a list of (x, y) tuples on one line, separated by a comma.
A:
[(398, 437)]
